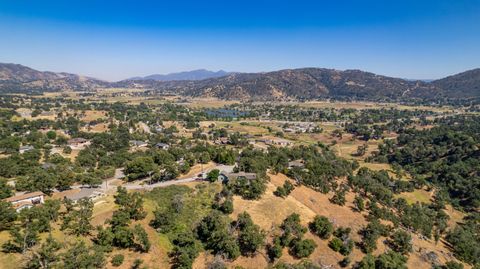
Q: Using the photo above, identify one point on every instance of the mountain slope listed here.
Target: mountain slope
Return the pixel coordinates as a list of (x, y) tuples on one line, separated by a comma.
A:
[(309, 83), (19, 78), (462, 85), (298, 84), (188, 75)]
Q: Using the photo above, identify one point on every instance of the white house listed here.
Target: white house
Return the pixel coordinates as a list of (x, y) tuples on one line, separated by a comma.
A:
[(162, 146), (78, 143), (24, 149), (138, 144), (26, 200)]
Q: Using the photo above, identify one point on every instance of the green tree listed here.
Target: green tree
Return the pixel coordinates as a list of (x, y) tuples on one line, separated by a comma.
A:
[(141, 238), (401, 241), (321, 226), (335, 244), (139, 167), (250, 236), (292, 229), (391, 260), (359, 203), (52, 135), (117, 260), (274, 250), (303, 248), (368, 262), (5, 189), (185, 250), (212, 176), (7, 215), (46, 255), (78, 216), (132, 203), (79, 256)]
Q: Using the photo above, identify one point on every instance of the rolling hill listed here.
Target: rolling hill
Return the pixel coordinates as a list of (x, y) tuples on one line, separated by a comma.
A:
[(22, 79), (289, 84)]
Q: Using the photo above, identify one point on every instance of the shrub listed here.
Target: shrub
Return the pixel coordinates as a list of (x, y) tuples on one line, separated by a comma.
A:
[(335, 244), (321, 227), (303, 248), (117, 260)]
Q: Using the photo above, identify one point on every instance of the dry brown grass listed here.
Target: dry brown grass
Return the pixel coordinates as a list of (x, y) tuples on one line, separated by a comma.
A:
[(208, 103), (269, 211), (369, 105), (91, 115), (157, 257)]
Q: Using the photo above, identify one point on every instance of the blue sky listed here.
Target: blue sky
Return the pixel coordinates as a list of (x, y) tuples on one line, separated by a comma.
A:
[(114, 40)]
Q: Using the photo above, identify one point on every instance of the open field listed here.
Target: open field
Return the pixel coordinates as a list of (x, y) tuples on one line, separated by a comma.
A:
[(420, 196), (91, 115), (207, 103)]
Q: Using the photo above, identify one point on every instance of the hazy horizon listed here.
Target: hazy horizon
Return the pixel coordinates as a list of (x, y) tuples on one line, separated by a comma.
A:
[(114, 41)]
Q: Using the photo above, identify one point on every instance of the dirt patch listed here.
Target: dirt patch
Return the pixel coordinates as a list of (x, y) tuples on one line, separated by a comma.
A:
[(91, 115)]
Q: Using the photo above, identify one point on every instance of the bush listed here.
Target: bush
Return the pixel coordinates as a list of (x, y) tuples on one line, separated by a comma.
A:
[(346, 247), (321, 226), (401, 241), (117, 260), (213, 175), (67, 150), (453, 265), (137, 263), (345, 262), (274, 250), (285, 190), (335, 244), (303, 248)]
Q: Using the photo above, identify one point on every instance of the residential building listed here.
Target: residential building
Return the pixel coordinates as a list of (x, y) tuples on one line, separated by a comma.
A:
[(26, 200)]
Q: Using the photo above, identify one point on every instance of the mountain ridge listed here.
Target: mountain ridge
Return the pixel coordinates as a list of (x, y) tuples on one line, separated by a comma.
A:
[(197, 74), (300, 84)]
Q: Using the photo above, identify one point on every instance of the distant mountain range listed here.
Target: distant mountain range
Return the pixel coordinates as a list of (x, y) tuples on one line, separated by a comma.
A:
[(289, 84), (198, 74)]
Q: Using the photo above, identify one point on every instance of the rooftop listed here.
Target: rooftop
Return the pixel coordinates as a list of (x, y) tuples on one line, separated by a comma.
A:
[(24, 196)]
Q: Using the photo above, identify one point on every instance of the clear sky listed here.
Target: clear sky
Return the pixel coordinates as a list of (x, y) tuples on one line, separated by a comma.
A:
[(114, 40)]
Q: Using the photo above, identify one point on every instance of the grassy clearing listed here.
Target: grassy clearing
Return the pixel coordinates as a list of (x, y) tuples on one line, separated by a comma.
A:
[(208, 103), (91, 115), (196, 203), (421, 196)]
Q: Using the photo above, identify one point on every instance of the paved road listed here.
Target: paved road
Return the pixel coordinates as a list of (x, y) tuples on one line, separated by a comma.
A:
[(138, 186)]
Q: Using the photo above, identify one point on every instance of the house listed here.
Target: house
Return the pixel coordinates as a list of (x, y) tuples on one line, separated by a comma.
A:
[(296, 163), (24, 149), (265, 141), (281, 142), (162, 146), (48, 165), (275, 141), (78, 143), (138, 144), (26, 200), (222, 141)]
